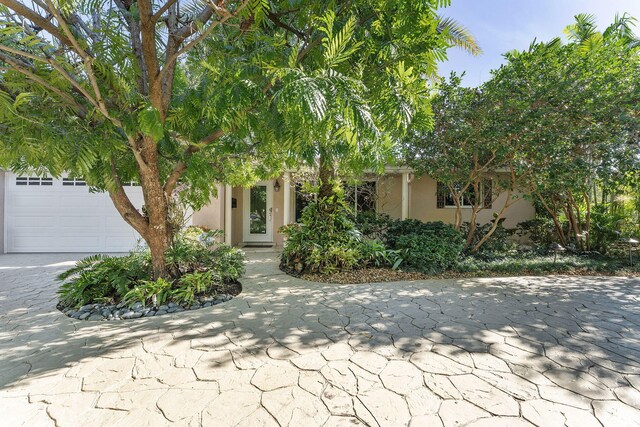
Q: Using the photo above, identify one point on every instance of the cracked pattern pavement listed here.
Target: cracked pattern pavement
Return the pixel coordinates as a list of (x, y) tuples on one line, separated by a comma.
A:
[(554, 351)]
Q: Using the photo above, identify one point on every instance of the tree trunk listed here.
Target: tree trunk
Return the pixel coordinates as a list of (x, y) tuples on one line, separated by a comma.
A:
[(326, 176), (474, 216), (159, 241), (587, 225), (556, 221), (159, 233), (496, 222)]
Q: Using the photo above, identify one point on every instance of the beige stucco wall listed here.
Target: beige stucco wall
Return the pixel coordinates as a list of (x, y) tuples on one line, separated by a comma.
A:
[(422, 206), (236, 216), (212, 214)]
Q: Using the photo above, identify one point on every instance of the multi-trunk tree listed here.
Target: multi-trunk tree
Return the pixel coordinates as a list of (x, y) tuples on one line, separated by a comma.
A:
[(180, 94), (557, 123), (475, 168), (574, 107)]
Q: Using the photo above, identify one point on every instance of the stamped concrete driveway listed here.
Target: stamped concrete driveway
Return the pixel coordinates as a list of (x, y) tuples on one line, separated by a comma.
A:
[(485, 352)]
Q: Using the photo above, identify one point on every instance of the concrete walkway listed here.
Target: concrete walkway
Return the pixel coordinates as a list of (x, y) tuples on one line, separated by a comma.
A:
[(485, 352)]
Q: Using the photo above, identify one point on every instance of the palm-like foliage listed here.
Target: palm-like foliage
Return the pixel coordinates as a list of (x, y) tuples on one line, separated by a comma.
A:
[(194, 92)]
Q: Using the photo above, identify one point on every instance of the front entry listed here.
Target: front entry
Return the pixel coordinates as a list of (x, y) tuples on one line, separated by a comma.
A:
[(258, 213)]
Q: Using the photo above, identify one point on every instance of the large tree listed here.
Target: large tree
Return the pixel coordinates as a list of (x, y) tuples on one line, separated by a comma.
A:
[(179, 94), (467, 154), (574, 106)]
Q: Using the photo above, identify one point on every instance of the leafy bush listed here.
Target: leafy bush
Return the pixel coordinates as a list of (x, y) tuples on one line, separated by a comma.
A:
[(156, 292), (375, 253), (373, 225), (196, 261), (324, 241), (193, 284), (102, 278), (605, 227), (499, 242), (534, 263), (540, 231), (429, 247)]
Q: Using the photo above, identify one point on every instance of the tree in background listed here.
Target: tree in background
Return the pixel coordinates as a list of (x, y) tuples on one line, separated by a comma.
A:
[(557, 123), (466, 155), (575, 106), (171, 92)]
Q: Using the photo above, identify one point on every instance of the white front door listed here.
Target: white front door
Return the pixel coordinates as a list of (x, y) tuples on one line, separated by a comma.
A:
[(258, 212)]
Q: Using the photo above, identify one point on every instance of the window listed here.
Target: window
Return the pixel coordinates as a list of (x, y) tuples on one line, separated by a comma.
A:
[(445, 197), (362, 196), (77, 182), (33, 180)]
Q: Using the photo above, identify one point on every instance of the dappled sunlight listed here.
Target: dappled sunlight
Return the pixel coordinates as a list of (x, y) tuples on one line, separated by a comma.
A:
[(559, 341)]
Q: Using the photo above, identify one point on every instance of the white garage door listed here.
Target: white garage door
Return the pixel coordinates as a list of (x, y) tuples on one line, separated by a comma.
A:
[(61, 215)]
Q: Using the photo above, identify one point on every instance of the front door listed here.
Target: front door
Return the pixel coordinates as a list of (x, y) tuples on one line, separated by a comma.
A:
[(258, 212)]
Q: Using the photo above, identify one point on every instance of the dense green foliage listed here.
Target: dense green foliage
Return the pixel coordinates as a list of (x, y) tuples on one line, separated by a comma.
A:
[(199, 265), (326, 240), (535, 263), (557, 124), (429, 247), (194, 93)]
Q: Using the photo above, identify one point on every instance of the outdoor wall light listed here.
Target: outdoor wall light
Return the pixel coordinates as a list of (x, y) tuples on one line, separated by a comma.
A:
[(632, 243), (276, 186), (556, 247)]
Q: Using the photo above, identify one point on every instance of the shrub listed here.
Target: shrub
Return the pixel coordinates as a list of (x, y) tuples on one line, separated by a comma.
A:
[(605, 227), (102, 278), (196, 261), (373, 225), (375, 253), (156, 292), (324, 241), (430, 247), (499, 242)]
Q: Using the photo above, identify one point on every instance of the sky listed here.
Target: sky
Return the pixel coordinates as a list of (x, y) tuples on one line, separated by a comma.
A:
[(503, 25)]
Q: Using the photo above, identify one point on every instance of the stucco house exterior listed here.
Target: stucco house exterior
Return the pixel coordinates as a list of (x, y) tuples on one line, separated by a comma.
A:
[(61, 215)]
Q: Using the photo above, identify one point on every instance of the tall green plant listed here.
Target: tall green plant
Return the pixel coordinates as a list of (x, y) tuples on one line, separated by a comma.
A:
[(183, 91)]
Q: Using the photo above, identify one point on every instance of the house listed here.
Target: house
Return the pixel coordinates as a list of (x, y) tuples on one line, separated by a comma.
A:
[(62, 215)]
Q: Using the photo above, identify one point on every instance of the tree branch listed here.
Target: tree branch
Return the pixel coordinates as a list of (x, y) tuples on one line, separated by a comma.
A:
[(227, 15), (278, 23), (86, 58), (124, 206), (37, 19), (181, 166), (156, 16), (81, 111)]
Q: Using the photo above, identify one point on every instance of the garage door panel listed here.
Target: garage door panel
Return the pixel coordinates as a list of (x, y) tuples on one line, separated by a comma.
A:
[(58, 218), (88, 202), (26, 201)]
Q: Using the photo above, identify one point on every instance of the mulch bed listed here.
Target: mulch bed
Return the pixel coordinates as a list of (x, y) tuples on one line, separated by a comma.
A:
[(367, 275), (378, 275)]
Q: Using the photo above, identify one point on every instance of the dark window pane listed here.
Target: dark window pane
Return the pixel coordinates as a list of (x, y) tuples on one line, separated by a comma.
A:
[(258, 210)]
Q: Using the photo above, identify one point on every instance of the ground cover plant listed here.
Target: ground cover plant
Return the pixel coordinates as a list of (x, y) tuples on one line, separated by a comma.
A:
[(413, 250), (200, 266)]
